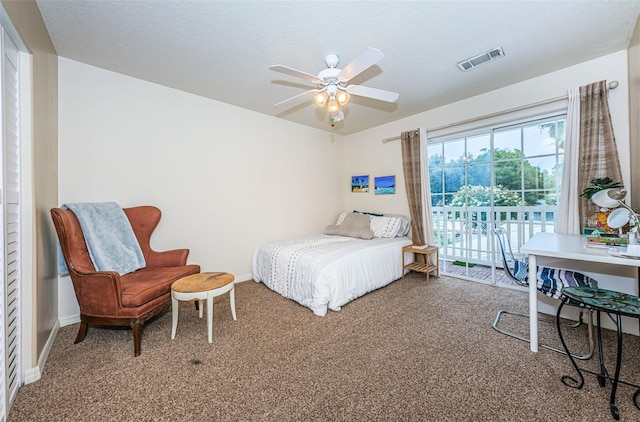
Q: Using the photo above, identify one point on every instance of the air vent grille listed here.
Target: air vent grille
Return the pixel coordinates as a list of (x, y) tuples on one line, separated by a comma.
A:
[(483, 58)]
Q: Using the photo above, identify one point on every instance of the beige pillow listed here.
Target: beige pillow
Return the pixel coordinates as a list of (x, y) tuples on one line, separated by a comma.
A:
[(353, 225), (332, 229)]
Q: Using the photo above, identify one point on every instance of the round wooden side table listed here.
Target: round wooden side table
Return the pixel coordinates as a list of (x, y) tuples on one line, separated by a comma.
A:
[(203, 286)]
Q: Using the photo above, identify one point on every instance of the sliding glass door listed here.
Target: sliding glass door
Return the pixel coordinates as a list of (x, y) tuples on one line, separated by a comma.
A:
[(506, 176)]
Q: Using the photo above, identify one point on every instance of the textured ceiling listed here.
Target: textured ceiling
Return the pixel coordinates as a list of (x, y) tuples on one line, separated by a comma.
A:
[(223, 49)]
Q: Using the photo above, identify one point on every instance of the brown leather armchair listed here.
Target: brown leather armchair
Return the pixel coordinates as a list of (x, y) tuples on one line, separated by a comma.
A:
[(108, 298)]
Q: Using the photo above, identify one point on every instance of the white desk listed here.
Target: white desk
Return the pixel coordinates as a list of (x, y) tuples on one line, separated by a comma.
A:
[(563, 246)]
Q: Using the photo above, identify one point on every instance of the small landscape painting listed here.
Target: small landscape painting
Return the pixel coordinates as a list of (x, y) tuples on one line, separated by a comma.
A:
[(385, 185), (360, 183)]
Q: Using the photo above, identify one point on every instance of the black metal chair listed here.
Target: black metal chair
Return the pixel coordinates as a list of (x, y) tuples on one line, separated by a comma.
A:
[(612, 303), (553, 279)]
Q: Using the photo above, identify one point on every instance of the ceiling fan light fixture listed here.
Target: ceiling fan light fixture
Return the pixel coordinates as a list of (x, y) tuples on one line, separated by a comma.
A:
[(343, 97), (337, 117), (321, 99), (333, 106), (332, 84)]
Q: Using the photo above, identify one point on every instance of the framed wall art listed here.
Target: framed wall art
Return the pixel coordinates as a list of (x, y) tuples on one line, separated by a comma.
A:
[(385, 185), (360, 183)]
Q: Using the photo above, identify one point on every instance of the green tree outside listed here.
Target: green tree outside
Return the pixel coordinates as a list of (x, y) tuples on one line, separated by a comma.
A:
[(512, 174)]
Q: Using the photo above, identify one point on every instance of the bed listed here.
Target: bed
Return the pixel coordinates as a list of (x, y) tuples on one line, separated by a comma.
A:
[(326, 271)]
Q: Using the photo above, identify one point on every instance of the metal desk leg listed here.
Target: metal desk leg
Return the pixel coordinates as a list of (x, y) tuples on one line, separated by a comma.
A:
[(533, 304)]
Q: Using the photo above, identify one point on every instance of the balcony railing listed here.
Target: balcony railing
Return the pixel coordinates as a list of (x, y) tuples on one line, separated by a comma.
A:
[(465, 233)]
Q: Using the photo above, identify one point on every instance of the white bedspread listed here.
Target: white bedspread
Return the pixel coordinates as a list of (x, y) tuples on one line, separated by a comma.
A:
[(324, 271)]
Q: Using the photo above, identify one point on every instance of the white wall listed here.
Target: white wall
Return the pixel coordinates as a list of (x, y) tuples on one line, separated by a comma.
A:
[(366, 154), (226, 179)]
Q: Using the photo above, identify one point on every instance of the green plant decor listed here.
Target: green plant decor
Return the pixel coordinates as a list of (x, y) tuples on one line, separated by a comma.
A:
[(463, 264), (599, 184)]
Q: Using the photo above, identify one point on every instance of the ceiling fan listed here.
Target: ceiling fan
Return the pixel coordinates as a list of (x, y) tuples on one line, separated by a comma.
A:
[(332, 84)]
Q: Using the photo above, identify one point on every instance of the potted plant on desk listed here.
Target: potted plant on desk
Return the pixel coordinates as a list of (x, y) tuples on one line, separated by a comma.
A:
[(597, 221), (599, 184)]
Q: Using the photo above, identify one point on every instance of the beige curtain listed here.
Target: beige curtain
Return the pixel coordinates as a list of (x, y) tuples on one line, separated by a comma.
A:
[(410, 141), (598, 154)]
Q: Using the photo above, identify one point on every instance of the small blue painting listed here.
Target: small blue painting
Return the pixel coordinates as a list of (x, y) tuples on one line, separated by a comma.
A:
[(360, 183), (385, 185)]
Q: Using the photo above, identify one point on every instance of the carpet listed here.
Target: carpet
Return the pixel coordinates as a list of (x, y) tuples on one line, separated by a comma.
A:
[(410, 351)]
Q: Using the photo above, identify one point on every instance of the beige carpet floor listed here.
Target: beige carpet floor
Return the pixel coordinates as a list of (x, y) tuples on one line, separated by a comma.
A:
[(408, 352)]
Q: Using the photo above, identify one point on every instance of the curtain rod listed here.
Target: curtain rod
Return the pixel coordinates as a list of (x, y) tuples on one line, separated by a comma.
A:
[(612, 85)]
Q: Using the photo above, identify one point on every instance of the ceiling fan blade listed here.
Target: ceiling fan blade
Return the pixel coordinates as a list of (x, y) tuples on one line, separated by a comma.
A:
[(297, 73), (375, 93), (300, 98), (361, 63)]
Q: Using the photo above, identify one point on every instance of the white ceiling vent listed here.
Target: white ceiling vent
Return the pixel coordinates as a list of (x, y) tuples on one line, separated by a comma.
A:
[(483, 58)]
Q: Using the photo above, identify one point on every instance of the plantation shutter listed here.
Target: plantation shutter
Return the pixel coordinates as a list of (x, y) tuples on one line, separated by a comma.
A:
[(10, 197)]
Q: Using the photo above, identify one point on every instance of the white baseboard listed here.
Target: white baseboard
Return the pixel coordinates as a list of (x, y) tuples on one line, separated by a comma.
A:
[(69, 320), (31, 375), (34, 374), (242, 278)]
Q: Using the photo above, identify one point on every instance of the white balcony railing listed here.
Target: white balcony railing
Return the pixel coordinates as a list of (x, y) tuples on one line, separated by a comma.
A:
[(464, 233)]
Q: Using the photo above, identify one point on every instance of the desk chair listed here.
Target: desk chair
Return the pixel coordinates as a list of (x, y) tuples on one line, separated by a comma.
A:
[(550, 282)]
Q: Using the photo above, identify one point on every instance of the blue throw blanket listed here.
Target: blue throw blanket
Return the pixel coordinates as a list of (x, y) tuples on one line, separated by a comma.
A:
[(110, 239)]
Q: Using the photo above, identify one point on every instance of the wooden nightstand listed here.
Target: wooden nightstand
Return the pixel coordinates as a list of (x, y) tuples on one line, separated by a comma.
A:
[(418, 266)]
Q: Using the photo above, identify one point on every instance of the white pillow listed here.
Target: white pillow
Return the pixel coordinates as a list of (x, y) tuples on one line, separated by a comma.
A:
[(405, 226), (385, 226), (341, 218)]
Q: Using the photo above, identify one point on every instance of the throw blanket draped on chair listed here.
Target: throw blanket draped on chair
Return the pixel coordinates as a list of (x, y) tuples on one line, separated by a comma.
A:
[(551, 281), (110, 239)]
